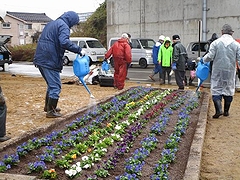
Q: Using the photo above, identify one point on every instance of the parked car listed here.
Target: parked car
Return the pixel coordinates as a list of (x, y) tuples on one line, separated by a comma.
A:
[(5, 54), (141, 51), (193, 48), (92, 46)]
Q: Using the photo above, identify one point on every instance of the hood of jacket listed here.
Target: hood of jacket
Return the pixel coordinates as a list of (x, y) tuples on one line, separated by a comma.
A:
[(167, 39), (122, 40), (71, 18)]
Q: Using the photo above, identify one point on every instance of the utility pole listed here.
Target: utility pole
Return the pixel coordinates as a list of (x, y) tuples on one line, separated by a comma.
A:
[(204, 20)]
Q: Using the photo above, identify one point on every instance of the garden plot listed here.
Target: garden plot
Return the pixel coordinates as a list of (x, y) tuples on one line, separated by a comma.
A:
[(143, 133)]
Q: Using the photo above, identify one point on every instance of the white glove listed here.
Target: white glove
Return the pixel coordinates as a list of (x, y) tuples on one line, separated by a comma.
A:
[(83, 53), (198, 59)]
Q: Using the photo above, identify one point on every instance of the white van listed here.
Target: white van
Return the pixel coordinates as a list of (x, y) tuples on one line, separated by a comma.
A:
[(93, 48), (141, 51)]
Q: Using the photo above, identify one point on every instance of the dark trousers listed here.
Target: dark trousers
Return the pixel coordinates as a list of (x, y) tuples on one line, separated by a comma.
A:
[(179, 77), (166, 70), (3, 116), (219, 97)]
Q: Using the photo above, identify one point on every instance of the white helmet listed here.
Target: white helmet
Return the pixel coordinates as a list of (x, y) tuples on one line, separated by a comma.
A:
[(162, 37)]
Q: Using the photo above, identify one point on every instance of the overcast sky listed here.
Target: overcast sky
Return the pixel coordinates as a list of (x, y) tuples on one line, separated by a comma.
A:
[(52, 8)]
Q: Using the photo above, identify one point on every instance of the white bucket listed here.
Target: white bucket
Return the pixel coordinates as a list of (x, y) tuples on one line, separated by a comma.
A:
[(6, 67)]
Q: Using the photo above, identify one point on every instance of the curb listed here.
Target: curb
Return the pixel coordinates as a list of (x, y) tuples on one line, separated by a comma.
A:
[(192, 171)]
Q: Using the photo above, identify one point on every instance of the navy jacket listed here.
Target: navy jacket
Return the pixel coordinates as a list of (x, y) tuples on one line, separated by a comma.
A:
[(54, 40)]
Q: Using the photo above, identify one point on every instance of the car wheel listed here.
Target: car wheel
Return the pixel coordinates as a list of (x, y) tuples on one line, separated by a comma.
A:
[(143, 63), (112, 62), (65, 61)]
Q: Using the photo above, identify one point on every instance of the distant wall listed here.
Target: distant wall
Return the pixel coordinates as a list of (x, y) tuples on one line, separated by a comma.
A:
[(151, 18)]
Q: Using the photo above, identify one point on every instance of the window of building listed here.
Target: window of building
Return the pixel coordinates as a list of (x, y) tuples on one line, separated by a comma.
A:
[(6, 25), (28, 26)]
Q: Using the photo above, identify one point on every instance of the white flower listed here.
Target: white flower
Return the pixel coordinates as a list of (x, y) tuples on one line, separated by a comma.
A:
[(78, 164), (74, 172), (86, 166), (118, 136), (96, 155), (104, 149), (85, 158), (126, 122), (117, 127), (71, 172), (78, 169), (67, 172)]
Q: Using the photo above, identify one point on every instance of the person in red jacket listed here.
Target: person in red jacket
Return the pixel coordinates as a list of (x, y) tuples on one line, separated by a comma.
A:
[(121, 53)]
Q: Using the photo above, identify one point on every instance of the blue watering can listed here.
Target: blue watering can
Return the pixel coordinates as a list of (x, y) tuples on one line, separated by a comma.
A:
[(202, 72), (81, 69)]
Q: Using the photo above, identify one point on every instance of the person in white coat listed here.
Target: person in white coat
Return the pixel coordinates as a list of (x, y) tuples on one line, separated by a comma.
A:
[(224, 52)]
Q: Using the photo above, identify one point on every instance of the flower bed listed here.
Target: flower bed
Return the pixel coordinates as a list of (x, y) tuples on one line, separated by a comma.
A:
[(143, 133)]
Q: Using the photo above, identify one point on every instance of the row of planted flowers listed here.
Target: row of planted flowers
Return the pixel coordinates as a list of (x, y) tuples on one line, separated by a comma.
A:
[(87, 139), (134, 164)]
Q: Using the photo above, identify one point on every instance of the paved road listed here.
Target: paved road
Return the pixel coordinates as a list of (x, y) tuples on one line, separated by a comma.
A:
[(27, 68), (135, 73)]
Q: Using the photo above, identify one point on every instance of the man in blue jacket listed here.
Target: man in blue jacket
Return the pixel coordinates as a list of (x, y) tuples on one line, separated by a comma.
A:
[(157, 66), (48, 58)]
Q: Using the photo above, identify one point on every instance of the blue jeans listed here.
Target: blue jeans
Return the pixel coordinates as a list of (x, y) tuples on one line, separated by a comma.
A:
[(157, 68), (53, 81)]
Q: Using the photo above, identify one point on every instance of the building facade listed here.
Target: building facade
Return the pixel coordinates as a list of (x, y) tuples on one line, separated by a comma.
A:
[(187, 18), (24, 28)]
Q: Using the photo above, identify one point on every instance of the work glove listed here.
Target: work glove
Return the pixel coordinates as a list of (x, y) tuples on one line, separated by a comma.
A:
[(198, 59), (174, 66), (82, 53)]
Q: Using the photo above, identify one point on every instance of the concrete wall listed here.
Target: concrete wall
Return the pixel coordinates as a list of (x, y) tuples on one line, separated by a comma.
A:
[(151, 18)]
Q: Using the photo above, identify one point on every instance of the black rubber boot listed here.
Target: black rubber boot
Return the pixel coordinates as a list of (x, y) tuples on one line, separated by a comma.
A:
[(218, 109), (46, 102), (51, 109), (226, 108)]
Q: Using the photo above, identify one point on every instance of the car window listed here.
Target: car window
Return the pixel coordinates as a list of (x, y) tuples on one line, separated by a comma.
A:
[(147, 43), (203, 47), (94, 44), (135, 44), (82, 44), (113, 41)]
